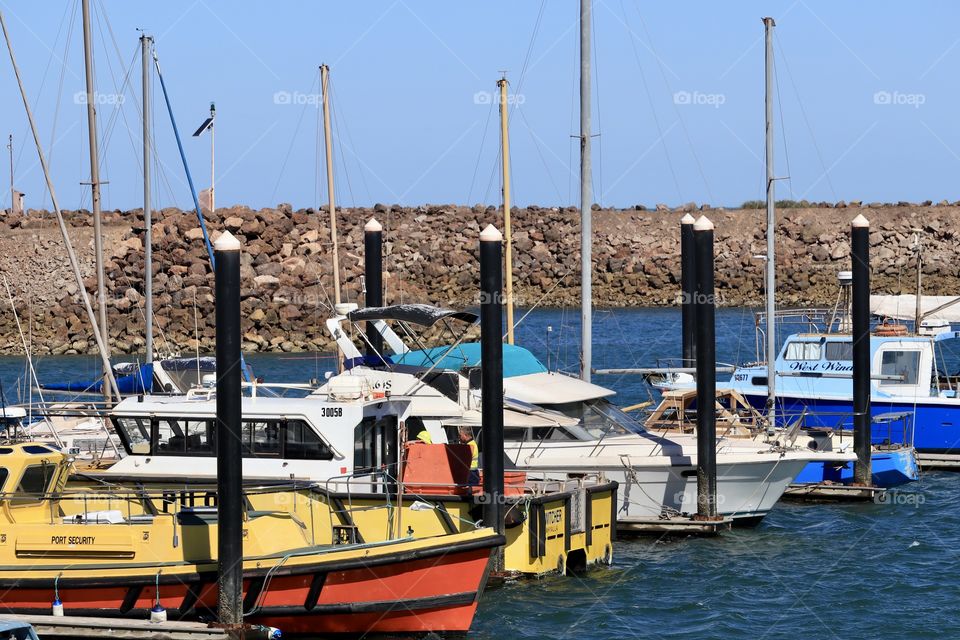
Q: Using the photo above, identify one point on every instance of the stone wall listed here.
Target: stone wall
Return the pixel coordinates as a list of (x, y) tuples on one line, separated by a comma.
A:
[(431, 256)]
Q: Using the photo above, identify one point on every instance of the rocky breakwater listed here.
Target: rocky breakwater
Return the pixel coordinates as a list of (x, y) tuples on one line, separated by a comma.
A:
[(430, 256)]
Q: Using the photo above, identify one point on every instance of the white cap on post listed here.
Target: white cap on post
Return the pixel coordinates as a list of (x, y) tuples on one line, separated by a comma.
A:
[(491, 234), (687, 219), (703, 223), (373, 226), (226, 242), (860, 221)]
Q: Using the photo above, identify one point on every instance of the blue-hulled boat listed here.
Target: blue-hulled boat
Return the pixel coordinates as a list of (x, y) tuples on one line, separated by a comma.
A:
[(892, 462)]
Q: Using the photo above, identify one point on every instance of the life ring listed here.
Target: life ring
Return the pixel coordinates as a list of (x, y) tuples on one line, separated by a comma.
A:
[(890, 329)]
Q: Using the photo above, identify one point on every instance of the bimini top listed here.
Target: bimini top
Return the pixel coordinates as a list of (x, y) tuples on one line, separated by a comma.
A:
[(517, 361), (425, 315)]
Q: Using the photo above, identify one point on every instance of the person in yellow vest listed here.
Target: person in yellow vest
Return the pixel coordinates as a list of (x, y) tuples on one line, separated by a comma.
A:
[(466, 437)]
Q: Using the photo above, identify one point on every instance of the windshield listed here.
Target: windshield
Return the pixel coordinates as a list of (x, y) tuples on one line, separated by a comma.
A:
[(599, 417)]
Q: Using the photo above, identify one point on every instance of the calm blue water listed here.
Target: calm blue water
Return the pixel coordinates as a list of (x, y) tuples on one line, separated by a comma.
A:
[(808, 571)]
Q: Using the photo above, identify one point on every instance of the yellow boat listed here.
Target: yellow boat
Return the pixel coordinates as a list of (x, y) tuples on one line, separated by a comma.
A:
[(349, 452), (116, 551)]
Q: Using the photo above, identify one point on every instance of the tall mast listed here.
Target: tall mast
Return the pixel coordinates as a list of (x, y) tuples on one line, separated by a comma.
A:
[(586, 225), (95, 188), (505, 153), (13, 192), (918, 312), (213, 200), (768, 25), (145, 42), (71, 255), (328, 143)]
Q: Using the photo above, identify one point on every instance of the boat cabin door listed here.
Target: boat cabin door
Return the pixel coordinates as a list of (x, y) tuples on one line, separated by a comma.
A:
[(903, 368), (375, 449)]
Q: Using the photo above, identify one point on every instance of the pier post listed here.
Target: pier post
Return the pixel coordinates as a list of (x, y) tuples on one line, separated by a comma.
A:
[(491, 371), (860, 257), (228, 433), (373, 276), (688, 288), (706, 371)]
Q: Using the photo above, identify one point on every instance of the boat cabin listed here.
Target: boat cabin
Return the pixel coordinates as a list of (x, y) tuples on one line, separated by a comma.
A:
[(283, 438), (901, 366)]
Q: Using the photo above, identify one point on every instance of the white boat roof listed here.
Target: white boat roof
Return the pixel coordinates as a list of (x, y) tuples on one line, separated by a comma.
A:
[(552, 388), (260, 405), (904, 307)]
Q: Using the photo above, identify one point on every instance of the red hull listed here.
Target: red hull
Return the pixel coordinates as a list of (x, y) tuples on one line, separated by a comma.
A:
[(402, 595)]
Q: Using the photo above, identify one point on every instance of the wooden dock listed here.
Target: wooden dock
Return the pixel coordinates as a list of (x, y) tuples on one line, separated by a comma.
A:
[(126, 629), (939, 461), (829, 492), (673, 526)]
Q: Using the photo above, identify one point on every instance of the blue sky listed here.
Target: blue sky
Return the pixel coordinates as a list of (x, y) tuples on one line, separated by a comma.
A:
[(867, 107)]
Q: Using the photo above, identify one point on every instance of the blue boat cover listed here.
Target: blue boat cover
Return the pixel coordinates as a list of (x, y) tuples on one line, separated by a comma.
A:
[(517, 361), (141, 381)]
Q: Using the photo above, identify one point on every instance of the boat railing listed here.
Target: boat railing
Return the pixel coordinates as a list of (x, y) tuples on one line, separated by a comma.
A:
[(814, 320), (889, 430)]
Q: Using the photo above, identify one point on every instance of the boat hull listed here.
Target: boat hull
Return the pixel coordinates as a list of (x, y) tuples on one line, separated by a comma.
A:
[(746, 490), (936, 425), (408, 587), (890, 468)]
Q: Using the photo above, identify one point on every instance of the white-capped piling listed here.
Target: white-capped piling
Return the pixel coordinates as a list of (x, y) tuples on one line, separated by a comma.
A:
[(228, 434), (706, 371), (373, 278), (491, 372), (860, 258)]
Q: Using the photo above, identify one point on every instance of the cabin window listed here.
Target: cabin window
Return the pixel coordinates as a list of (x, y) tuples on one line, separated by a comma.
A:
[(133, 431), (4, 474), (169, 438), (301, 442), (842, 351), (803, 351), (199, 436), (184, 436), (33, 483), (261, 438), (905, 364)]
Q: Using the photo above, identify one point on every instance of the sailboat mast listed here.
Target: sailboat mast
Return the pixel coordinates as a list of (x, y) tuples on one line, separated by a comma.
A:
[(505, 164), (213, 191), (768, 25), (71, 254), (328, 144), (145, 42), (586, 224), (95, 186), (13, 193), (918, 310)]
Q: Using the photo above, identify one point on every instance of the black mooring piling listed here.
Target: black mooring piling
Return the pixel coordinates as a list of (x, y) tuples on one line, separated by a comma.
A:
[(860, 257), (373, 275), (491, 366), (688, 288), (228, 433), (706, 370)]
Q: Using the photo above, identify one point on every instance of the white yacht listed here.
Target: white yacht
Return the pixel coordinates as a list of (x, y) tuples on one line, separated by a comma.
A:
[(554, 423)]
